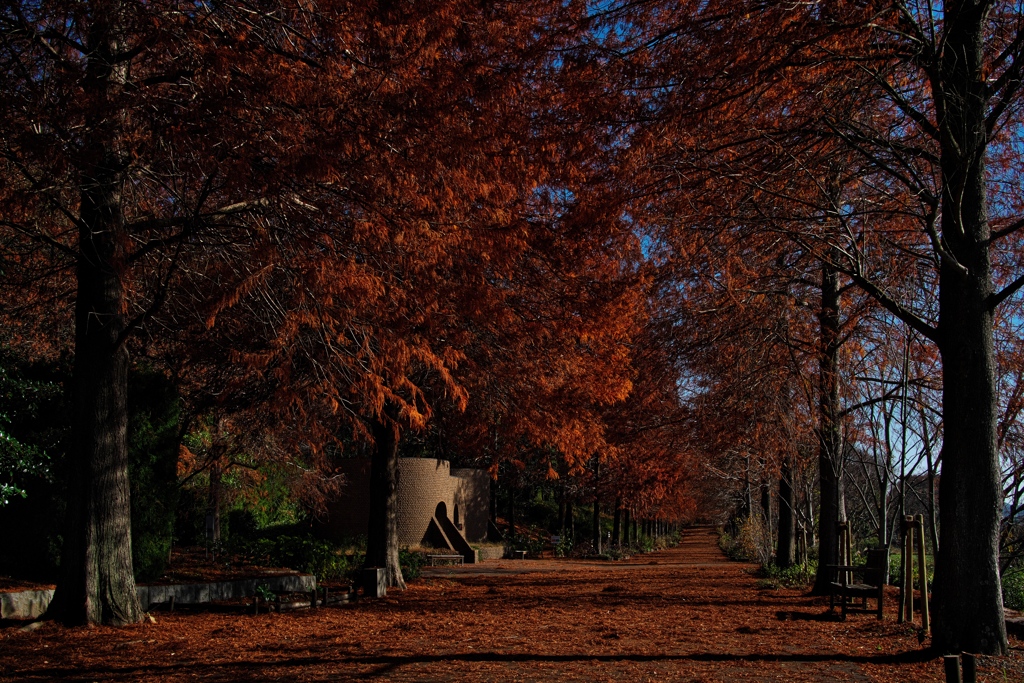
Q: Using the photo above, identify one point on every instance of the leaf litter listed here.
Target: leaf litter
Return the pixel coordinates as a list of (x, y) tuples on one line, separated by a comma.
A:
[(693, 616)]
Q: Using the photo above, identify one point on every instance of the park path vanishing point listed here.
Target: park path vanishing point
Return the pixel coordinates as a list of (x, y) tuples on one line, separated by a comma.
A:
[(683, 614)]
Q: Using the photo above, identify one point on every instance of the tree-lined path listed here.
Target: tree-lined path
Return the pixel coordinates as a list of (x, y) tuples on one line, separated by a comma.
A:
[(681, 614)]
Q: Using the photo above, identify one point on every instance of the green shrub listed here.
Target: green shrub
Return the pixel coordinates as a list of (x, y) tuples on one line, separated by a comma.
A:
[(27, 444), (284, 547), (411, 562), (797, 576), (615, 552), (671, 539), (732, 548), (152, 469), (34, 431), (644, 544), (1013, 589), (751, 543), (301, 553), (565, 545), (533, 545), (896, 569)]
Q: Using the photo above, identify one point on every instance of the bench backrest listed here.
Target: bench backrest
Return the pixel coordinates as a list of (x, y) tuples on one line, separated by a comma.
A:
[(876, 568)]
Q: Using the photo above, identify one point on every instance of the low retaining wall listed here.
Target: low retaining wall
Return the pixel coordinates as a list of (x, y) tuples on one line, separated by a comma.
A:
[(198, 593), (24, 604), (32, 604)]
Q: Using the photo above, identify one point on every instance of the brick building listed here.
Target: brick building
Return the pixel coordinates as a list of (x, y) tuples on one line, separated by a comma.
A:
[(438, 506)]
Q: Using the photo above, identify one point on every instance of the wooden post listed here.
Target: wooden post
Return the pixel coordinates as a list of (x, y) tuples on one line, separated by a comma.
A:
[(849, 550), (970, 668), (952, 666), (908, 570), (922, 570), (901, 612), (841, 548)]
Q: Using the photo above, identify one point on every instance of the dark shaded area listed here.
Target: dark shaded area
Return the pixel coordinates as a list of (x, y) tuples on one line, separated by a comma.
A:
[(34, 524)]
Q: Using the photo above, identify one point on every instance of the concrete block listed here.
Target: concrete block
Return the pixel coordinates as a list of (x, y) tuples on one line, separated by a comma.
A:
[(24, 604), (375, 583)]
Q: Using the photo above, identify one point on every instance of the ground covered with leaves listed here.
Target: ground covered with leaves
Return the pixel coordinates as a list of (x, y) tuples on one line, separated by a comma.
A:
[(681, 614)]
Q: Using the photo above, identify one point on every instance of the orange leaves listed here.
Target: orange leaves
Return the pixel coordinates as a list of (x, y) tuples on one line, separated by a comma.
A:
[(235, 293)]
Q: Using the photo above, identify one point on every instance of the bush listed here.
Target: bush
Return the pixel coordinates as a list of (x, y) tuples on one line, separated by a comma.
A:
[(532, 544), (756, 540), (797, 576), (565, 545), (615, 552), (669, 540), (896, 569), (411, 562), (152, 469), (302, 553), (644, 544), (732, 547), (34, 431), (1013, 589)]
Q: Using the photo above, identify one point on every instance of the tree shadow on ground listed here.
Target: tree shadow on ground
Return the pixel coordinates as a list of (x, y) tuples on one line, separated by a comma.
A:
[(383, 665)]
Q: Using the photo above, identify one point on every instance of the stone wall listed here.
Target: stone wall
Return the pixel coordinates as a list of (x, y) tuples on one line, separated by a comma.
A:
[(423, 483)]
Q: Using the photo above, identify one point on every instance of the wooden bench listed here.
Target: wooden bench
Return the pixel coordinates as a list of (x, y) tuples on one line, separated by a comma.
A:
[(445, 559), (871, 584)]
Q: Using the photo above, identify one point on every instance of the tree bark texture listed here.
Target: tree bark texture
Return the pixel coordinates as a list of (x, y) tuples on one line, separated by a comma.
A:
[(597, 508), (785, 553), (511, 514), (382, 534), (830, 460), (97, 583), (968, 599), (617, 523), (213, 505)]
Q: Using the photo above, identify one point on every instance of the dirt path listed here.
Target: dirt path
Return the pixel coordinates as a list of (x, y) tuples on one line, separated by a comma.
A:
[(682, 614)]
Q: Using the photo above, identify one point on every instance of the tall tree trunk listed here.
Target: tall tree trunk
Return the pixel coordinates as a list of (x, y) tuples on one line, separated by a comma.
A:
[(625, 526), (561, 512), (213, 505), (785, 553), (597, 507), (968, 600), (766, 509), (830, 459), (97, 583), (617, 523), (382, 534), (511, 511), (494, 501)]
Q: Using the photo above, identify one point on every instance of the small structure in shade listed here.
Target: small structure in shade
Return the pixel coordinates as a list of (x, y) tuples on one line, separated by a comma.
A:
[(438, 507)]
